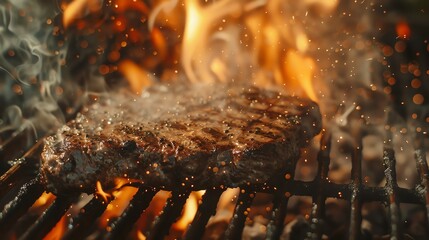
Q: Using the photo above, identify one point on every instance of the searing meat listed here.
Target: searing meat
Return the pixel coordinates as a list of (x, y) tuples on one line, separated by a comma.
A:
[(196, 137)]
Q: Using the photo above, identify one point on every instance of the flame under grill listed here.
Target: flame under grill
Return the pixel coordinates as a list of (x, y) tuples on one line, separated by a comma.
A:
[(320, 189)]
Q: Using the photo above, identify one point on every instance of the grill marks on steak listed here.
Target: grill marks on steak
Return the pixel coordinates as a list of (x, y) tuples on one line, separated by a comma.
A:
[(196, 137)]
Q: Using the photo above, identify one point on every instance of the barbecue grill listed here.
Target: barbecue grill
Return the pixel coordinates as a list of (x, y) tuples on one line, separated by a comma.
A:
[(20, 188), (26, 192)]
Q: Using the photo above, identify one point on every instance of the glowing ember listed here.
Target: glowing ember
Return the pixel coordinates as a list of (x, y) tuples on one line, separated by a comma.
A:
[(403, 30)]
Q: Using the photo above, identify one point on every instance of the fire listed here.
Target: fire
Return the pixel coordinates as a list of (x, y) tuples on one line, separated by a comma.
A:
[(137, 77), (225, 40), (118, 205), (227, 198), (122, 194), (214, 48), (101, 193), (189, 210), (78, 9), (57, 231), (197, 31), (140, 236), (124, 5), (193, 17), (44, 199), (299, 69)]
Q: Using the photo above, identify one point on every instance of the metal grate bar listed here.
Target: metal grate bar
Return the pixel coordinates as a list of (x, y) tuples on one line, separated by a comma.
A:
[(236, 226), (26, 196), (391, 187), (21, 169), (423, 172), (275, 226), (172, 210), (15, 146), (285, 190), (281, 199), (79, 226), (49, 218), (122, 225), (369, 194), (206, 209), (318, 210), (356, 194)]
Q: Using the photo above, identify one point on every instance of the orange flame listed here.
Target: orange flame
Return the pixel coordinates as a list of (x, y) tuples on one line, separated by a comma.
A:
[(140, 235), (189, 210), (199, 20), (276, 43), (79, 9), (227, 198), (101, 193), (137, 77), (277, 46), (44, 199), (58, 231), (122, 195), (124, 5), (299, 70)]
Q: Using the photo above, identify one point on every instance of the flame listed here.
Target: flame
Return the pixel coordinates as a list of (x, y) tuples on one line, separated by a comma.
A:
[(166, 6), (137, 77), (124, 5), (120, 182), (140, 235), (123, 194), (79, 9), (197, 31), (101, 193), (299, 70), (118, 205), (324, 6), (277, 45), (227, 198), (43, 200), (193, 18), (189, 210), (222, 40), (58, 231)]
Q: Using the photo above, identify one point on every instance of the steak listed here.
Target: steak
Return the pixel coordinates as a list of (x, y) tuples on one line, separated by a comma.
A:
[(196, 137)]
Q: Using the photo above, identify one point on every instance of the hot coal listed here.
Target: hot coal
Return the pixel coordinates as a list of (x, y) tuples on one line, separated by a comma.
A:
[(194, 137)]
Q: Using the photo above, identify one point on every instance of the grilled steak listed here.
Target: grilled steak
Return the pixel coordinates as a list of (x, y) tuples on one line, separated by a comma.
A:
[(195, 137)]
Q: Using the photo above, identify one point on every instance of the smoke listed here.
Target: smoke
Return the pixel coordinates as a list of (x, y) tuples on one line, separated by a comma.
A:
[(30, 66)]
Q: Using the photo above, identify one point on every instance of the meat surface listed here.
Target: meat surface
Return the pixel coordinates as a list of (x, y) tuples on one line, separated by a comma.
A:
[(195, 137)]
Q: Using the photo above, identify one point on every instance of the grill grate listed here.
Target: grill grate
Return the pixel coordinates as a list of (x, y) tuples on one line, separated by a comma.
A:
[(204, 212), (77, 228), (320, 189), (131, 214), (170, 214)]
